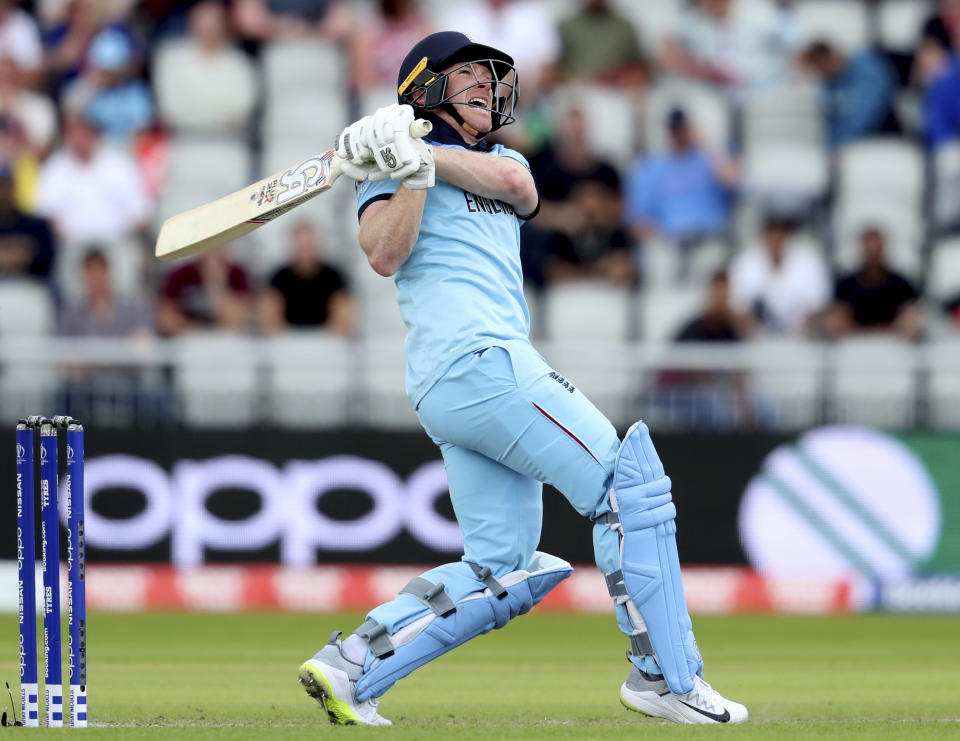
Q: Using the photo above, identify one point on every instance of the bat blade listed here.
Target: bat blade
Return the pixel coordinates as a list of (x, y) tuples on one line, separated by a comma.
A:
[(251, 207), (247, 209)]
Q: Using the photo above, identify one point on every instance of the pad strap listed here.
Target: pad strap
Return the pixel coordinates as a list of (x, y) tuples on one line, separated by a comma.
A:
[(375, 634), (484, 574), (615, 585), (640, 644), (610, 518), (432, 595)]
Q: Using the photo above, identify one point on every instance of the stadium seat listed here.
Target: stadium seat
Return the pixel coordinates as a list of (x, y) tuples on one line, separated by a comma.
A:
[(298, 66), (378, 315), (843, 23), (26, 316), (798, 172), (310, 121), (875, 381), (382, 399), (654, 21), (785, 114), (594, 310), (664, 310), (217, 378), (785, 381), (899, 23), (705, 106), (944, 281), (309, 378), (611, 119), (943, 359), (946, 205), (26, 308)]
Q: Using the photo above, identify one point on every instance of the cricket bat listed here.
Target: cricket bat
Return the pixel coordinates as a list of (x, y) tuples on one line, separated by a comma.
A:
[(247, 209)]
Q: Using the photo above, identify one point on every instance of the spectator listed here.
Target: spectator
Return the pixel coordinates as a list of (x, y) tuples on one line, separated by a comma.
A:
[(92, 192), (558, 168), (209, 293), (600, 245), (270, 20), (26, 242), (20, 39), (705, 397), (525, 27), (204, 83), (15, 152), (741, 46), (856, 92), (98, 313), (683, 194), (396, 27), (718, 322), (778, 287), (114, 97), (35, 113), (875, 298), (68, 39), (938, 69), (306, 292), (943, 27), (597, 43)]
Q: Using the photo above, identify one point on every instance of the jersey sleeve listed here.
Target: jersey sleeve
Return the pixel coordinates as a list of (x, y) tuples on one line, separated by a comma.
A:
[(369, 192), (502, 151)]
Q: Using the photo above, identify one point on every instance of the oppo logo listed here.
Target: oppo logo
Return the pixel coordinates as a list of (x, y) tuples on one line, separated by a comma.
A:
[(176, 506)]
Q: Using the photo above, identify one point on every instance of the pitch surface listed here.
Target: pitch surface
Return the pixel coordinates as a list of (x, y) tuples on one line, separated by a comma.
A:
[(166, 676)]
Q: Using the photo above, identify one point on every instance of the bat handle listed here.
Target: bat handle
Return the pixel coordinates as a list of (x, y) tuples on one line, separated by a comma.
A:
[(418, 129)]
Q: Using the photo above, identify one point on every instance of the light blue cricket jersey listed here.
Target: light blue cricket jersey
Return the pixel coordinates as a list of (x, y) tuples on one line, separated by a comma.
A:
[(461, 289)]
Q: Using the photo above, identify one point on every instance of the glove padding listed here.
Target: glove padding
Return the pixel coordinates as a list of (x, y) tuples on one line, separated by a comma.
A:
[(389, 138), (425, 174), (353, 150)]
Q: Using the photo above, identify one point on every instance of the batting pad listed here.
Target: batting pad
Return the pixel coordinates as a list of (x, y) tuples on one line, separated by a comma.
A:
[(476, 613), (649, 559)]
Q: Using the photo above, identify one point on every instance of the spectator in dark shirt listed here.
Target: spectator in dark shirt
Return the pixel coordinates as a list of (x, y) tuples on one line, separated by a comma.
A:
[(856, 92), (944, 25), (705, 397), (938, 69), (26, 242), (306, 292), (210, 293), (598, 43), (875, 298)]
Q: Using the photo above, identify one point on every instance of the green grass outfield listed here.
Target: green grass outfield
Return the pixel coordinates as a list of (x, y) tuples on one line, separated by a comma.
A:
[(185, 677)]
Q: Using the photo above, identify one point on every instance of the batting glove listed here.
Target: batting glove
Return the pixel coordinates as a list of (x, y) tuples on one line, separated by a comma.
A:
[(425, 175), (389, 137), (352, 148)]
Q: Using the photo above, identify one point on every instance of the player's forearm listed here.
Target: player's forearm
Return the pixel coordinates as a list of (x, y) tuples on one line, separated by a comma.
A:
[(494, 177), (387, 236)]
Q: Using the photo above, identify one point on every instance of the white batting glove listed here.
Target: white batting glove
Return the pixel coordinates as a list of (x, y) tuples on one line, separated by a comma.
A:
[(352, 147), (425, 175), (389, 137)]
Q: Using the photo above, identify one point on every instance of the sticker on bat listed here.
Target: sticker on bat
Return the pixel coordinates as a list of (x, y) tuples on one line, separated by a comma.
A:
[(304, 176)]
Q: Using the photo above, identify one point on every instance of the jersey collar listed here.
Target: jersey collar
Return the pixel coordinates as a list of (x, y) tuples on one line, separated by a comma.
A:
[(444, 133)]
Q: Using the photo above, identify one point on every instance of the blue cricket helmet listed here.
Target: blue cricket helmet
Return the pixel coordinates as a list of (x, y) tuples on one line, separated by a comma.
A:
[(422, 83)]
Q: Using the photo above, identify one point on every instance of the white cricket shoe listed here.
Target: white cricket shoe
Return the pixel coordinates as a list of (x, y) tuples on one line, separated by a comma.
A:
[(330, 679), (649, 694)]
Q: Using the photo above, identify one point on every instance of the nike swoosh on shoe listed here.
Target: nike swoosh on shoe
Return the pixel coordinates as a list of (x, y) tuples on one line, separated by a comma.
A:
[(723, 718)]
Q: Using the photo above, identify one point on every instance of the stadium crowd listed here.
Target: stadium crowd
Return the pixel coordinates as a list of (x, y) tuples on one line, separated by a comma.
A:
[(715, 170)]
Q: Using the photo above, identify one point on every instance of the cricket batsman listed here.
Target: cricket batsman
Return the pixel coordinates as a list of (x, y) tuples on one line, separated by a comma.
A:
[(443, 217)]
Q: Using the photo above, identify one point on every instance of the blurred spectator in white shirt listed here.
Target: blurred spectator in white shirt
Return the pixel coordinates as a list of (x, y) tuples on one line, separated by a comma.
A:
[(395, 27), (114, 97), (524, 28), (203, 82), (34, 112), (741, 45), (20, 39), (269, 20), (779, 287), (91, 191)]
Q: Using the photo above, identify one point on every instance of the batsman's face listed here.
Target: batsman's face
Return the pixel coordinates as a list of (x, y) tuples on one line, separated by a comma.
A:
[(471, 88)]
